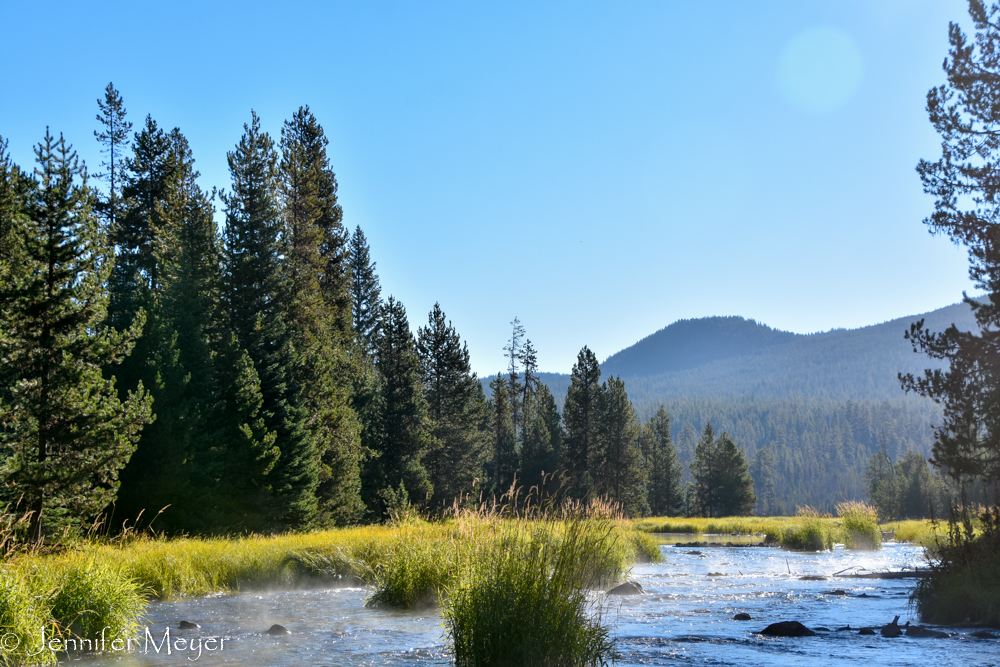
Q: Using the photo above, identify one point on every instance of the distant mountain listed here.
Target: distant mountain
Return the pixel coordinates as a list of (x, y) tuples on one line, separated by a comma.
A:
[(725, 357), (822, 403)]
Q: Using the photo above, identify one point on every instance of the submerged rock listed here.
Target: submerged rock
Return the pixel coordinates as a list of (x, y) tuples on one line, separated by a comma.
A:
[(742, 617), (866, 631), (628, 588), (846, 627), (839, 591), (787, 629), (278, 630), (983, 634), (188, 625), (716, 574), (812, 577), (921, 631)]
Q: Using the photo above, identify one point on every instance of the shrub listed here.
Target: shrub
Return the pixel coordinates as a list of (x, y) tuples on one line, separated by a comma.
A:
[(964, 585), (860, 526)]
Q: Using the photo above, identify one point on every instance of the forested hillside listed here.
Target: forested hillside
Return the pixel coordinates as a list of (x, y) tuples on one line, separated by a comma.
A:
[(821, 404)]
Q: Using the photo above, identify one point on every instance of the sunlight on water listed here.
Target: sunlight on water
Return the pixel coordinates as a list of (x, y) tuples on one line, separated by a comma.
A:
[(686, 617)]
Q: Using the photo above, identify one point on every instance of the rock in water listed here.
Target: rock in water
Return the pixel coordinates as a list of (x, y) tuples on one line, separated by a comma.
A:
[(866, 631), (983, 634), (839, 591), (278, 630), (188, 625), (892, 629), (742, 617), (628, 588), (787, 629), (920, 631)]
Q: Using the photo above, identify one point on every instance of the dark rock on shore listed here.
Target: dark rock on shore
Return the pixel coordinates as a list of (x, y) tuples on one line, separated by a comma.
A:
[(787, 629), (742, 617), (277, 630), (188, 625), (628, 588)]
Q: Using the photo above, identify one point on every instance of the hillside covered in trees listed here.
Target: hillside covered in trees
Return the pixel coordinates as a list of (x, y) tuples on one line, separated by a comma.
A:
[(822, 405)]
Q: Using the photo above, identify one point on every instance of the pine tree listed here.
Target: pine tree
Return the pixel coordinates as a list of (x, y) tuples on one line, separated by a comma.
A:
[(616, 461), (666, 492), (581, 420), (114, 140), (366, 302), (735, 496), (206, 392), (765, 481), (514, 352), (723, 485), (456, 407), (65, 432), (318, 313), (541, 441), (703, 470), (13, 195), (282, 481), (503, 441), (402, 440)]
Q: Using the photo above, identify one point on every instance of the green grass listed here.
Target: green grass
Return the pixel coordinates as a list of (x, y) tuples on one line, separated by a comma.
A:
[(521, 598), (23, 614), (859, 526)]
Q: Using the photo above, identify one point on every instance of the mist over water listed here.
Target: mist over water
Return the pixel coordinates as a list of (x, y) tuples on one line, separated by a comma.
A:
[(685, 618)]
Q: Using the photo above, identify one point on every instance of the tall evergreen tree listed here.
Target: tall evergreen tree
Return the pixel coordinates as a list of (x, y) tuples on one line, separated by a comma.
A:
[(616, 461), (318, 312), (113, 138), (284, 478), (703, 470), (366, 298), (666, 492), (541, 441), (765, 482), (66, 434), (723, 485), (581, 418), (402, 439), (503, 440), (735, 496), (514, 351), (456, 407), (13, 195)]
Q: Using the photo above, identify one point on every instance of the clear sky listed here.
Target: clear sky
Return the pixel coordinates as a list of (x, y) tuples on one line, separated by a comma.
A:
[(598, 170)]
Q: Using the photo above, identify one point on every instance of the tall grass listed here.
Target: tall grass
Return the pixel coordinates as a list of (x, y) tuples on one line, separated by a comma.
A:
[(521, 597), (22, 617), (859, 523)]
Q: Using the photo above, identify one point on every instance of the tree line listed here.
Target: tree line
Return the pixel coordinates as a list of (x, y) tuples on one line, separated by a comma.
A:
[(253, 378)]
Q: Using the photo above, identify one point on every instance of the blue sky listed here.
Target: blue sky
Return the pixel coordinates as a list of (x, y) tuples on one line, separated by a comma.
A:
[(598, 170)]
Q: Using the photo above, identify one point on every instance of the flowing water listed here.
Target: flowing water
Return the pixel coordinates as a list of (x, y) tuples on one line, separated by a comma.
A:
[(685, 617)]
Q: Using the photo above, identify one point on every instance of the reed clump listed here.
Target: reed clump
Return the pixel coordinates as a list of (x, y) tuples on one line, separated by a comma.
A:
[(521, 594), (23, 615), (859, 523)]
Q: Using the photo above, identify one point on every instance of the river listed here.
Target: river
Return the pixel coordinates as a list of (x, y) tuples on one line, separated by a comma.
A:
[(685, 617)]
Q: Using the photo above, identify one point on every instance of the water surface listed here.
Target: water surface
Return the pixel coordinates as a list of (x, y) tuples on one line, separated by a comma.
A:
[(685, 618)]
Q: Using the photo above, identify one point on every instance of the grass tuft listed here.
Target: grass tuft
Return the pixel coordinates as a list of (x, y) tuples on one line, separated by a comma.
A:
[(859, 523), (522, 595)]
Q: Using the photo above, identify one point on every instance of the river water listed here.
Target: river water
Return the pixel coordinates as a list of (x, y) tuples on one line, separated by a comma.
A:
[(685, 617)]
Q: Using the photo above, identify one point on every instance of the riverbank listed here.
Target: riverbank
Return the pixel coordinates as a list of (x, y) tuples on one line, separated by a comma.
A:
[(795, 531)]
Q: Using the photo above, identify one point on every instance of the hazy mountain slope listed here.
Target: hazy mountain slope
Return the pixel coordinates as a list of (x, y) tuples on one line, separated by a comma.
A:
[(731, 356)]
